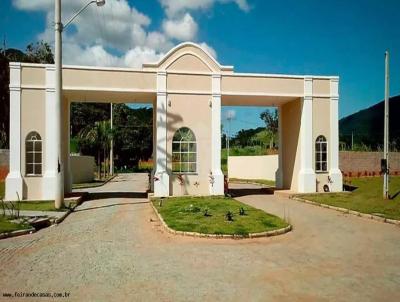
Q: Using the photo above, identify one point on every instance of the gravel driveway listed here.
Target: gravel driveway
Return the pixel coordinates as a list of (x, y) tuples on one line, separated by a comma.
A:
[(109, 250)]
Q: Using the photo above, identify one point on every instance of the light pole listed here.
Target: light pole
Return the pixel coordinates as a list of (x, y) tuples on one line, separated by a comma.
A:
[(111, 143), (386, 131), (58, 28)]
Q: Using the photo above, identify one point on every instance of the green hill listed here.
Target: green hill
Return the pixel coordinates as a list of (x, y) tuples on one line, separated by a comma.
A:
[(367, 126)]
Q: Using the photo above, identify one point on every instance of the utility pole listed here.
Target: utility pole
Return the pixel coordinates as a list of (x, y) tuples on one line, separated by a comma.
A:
[(112, 144), (58, 28), (386, 131)]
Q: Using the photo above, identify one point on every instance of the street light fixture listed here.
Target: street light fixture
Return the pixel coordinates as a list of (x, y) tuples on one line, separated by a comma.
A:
[(58, 27)]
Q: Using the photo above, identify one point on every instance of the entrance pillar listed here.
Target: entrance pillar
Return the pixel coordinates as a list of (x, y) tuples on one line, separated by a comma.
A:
[(334, 172), (306, 177), (216, 175), (66, 145), (14, 182), (279, 172), (51, 161), (161, 177)]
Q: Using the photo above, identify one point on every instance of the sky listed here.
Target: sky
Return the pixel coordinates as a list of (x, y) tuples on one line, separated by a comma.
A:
[(346, 38)]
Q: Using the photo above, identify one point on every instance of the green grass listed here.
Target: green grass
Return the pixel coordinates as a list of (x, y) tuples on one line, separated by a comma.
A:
[(367, 198), (266, 182), (39, 205), (2, 189), (187, 214), (8, 226), (73, 145)]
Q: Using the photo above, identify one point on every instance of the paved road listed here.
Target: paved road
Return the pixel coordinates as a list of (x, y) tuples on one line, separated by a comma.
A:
[(109, 250)]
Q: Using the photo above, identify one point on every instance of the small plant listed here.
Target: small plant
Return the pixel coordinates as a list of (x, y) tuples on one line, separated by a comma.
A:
[(206, 212), (242, 212), (192, 209), (229, 216)]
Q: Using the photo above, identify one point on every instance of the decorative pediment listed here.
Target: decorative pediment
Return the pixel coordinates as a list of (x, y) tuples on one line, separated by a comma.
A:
[(188, 57)]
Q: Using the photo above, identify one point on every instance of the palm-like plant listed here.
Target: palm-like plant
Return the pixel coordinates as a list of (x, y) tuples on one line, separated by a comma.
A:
[(99, 136)]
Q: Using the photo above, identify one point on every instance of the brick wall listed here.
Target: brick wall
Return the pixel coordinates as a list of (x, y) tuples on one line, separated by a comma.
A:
[(366, 163)]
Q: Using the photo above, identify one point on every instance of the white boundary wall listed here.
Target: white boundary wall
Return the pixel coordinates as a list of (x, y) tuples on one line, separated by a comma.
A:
[(253, 167), (82, 168)]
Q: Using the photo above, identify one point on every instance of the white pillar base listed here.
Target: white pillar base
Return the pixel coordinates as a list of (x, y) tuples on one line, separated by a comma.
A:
[(217, 183), (49, 185), (14, 186), (307, 181), (161, 184), (279, 178), (336, 180)]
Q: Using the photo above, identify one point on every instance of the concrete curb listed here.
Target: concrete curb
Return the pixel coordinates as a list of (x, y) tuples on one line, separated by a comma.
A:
[(347, 211), (220, 236), (79, 201), (17, 233)]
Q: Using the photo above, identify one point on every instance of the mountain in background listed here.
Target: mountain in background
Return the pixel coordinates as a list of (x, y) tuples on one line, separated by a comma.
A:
[(367, 126)]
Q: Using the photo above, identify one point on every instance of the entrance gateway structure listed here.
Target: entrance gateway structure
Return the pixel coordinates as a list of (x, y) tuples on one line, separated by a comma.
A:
[(187, 88)]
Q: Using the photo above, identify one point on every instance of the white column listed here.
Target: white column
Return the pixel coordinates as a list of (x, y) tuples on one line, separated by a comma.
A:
[(154, 155), (51, 161), (161, 177), (66, 147), (216, 177), (279, 172), (334, 172), (14, 182), (306, 179)]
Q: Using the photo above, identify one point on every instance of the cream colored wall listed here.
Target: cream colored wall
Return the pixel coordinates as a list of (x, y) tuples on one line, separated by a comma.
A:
[(194, 112), (189, 62), (82, 168), (33, 75), (183, 53), (253, 167), (32, 119), (108, 79), (291, 115), (321, 126), (189, 83), (262, 85), (321, 87)]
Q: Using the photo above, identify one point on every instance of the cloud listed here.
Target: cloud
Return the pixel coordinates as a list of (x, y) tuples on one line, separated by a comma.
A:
[(184, 29), (118, 34), (176, 7)]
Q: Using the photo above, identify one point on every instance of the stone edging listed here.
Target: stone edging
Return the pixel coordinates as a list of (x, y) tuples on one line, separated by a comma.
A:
[(347, 211), (17, 233), (217, 236)]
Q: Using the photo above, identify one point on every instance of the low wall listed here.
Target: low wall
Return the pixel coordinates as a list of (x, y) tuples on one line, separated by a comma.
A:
[(4, 163), (353, 163), (253, 167), (82, 168)]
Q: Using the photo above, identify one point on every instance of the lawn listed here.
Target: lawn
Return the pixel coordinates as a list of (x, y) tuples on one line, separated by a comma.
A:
[(266, 182), (39, 205), (367, 198), (2, 189), (7, 226), (188, 214)]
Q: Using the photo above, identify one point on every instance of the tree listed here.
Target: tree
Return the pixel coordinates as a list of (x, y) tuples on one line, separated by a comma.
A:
[(271, 123), (99, 136), (39, 53)]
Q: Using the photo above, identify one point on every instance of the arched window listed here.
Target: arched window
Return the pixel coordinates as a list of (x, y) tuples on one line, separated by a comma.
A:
[(184, 151), (321, 154), (33, 158)]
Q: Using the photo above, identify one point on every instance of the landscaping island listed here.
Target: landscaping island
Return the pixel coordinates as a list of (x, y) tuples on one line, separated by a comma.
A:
[(215, 215)]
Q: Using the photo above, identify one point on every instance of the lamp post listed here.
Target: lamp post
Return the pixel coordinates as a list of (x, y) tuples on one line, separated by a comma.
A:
[(58, 28)]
